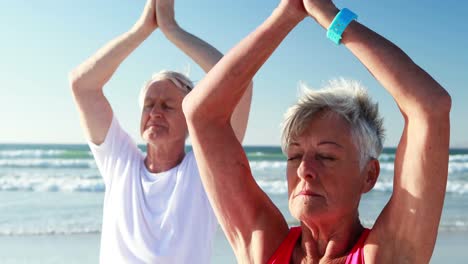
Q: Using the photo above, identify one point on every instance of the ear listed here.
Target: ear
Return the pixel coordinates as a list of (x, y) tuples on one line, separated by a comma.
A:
[(371, 171)]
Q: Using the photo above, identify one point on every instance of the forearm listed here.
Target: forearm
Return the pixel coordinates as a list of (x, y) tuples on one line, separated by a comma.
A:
[(205, 55), (98, 69), (220, 91), (414, 90)]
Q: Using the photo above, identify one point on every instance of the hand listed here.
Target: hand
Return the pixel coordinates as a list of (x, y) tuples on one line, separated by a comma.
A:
[(165, 14), (294, 8), (323, 11), (148, 19)]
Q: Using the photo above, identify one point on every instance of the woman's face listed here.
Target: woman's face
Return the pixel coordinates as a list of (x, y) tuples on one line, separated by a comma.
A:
[(325, 182)]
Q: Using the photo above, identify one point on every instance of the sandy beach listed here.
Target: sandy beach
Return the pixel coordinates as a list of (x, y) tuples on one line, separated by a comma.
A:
[(451, 248)]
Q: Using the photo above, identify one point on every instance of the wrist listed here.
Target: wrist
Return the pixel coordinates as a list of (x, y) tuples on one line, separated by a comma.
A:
[(288, 15), (325, 15), (168, 27), (339, 25)]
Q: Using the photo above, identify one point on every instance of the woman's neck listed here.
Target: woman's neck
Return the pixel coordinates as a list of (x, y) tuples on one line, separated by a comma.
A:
[(325, 242)]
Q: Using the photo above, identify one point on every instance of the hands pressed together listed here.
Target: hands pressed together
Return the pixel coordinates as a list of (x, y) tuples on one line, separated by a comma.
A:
[(160, 13), (147, 20), (322, 11), (157, 13)]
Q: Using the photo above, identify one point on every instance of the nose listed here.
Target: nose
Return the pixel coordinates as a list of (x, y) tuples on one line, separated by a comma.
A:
[(307, 168), (156, 111)]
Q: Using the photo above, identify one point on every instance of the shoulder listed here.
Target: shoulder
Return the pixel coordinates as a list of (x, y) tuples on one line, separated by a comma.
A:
[(117, 139), (116, 153), (283, 253), (381, 245), (189, 163)]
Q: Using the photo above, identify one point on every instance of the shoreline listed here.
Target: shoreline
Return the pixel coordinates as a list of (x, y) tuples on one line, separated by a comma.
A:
[(84, 248), (456, 147)]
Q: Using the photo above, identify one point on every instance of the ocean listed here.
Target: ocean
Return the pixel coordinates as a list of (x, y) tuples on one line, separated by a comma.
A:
[(52, 192)]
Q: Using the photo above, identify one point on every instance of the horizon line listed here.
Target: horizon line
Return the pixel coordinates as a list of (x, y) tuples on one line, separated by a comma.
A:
[(187, 145)]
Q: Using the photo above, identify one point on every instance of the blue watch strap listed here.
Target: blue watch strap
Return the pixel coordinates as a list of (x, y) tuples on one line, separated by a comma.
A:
[(339, 24)]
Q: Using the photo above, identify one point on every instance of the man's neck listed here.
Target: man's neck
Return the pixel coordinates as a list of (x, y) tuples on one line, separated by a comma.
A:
[(163, 158)]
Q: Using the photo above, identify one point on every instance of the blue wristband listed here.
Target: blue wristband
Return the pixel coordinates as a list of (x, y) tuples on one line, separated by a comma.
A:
[(339, 24)]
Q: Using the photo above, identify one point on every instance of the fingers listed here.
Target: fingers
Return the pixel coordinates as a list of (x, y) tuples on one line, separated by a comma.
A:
[(165, 13), (165, 4), (147, 19)]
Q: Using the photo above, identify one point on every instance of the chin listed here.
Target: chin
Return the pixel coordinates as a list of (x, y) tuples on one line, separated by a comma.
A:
[(305, 210), (153, 137), (302, 215)]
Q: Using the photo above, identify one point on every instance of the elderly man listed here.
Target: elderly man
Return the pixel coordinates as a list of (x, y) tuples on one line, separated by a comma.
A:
[(155, 208), (332, 139)]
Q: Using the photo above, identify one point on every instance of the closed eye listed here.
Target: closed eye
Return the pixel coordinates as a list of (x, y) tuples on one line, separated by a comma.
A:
[(167, 107), (325, 157), (294, 157), (148, 106)]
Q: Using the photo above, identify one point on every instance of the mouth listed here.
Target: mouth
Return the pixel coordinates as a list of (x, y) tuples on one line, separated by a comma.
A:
[(154, 125), (307, 193)]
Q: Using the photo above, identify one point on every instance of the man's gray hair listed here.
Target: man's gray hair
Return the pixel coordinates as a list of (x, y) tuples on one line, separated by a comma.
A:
[(348, 99), (180, 80)]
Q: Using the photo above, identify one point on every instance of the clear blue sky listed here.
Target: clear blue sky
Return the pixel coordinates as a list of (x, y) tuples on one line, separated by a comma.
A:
[(41, 41)]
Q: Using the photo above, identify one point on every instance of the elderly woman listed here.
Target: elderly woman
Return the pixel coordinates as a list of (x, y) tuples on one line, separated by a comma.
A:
[(332, 139)]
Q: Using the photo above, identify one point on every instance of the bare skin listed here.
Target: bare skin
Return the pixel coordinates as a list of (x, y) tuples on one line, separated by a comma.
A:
[(319, 161), (165, 150), (325, 184)]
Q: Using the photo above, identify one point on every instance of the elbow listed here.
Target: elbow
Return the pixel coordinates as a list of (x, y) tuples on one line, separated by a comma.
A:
[(187, 108), (446, 102), (74, 81), (437, 107), (79, 83), (191, 110), (441, 105), (201, 114)]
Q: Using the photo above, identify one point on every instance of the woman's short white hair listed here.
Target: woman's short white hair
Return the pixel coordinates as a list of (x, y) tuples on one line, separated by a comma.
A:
[(180, 80), (348, 99)]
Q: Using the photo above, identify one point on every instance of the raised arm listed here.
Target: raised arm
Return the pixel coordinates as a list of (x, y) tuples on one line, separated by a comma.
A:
[(251, 222), (88, 79), (411, 218), (205, 55)]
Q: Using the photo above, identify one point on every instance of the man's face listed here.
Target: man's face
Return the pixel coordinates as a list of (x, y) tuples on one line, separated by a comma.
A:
[(162, 119)]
